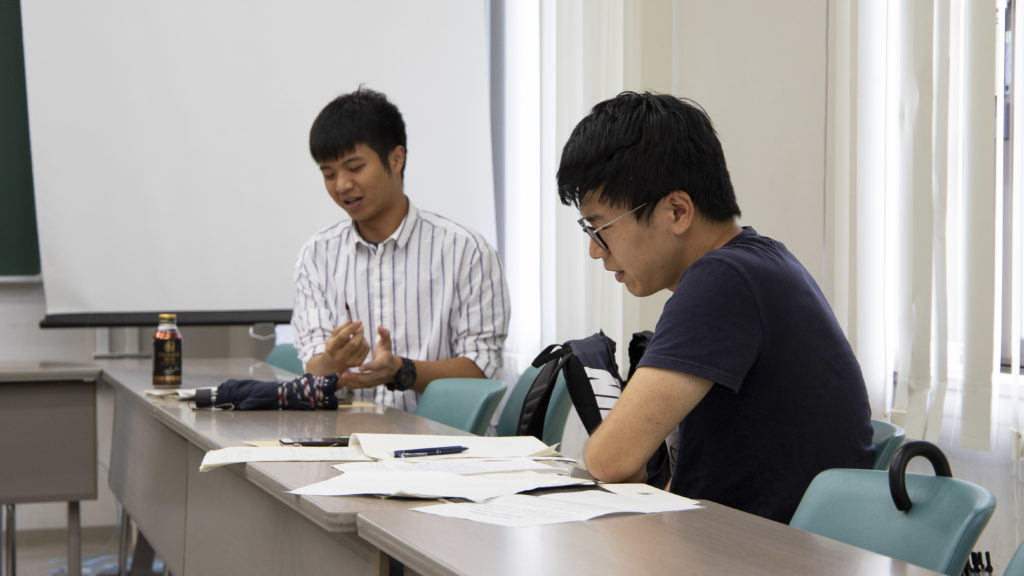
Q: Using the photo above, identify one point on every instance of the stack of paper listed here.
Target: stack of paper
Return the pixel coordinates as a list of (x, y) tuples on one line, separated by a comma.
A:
[(383, 446), (489, 467), (523, 510), (437, 484), (238, 454), (490, 472)]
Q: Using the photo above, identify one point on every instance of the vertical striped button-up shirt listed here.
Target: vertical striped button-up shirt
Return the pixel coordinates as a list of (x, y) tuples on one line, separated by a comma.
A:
[(436, 285)]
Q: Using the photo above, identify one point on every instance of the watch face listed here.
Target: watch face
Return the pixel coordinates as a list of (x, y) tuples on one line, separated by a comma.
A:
[(404, 380), (406, 375)]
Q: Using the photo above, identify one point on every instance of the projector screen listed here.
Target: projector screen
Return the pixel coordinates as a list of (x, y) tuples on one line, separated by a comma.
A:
[(170, 151)]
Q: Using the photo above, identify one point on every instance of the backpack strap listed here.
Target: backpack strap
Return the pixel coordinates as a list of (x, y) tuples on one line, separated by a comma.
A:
[(535, 403), (582, 394), (596, 351)]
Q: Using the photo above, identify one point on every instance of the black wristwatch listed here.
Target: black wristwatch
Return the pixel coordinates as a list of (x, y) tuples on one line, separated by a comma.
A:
[(405, 377)]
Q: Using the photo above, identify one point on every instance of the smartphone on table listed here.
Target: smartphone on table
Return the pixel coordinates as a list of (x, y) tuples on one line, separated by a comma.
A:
[(324, 441)]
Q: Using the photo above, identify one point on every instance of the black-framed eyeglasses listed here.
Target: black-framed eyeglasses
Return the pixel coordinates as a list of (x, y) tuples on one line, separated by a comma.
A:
[(594, 233)]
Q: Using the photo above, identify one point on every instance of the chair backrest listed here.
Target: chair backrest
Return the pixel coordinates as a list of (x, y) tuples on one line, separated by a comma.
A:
[(285, 357), (1016, 565), (558, 412), (508, 422), (554, 418), (857, 507), (463, 403), (887, 439)]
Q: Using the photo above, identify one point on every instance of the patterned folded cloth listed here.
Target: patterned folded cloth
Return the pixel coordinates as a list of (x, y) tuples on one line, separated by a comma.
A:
[(307, 392)]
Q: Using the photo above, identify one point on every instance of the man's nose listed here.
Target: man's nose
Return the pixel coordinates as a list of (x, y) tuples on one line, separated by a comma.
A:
[(342, 183), (596, 252)]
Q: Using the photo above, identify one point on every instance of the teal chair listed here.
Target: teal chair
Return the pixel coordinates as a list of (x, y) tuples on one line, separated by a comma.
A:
[(285, 357), (463, 403), (931, 521), (887, 439), (1016, 565), (554, 418), (558, 412), (508, 422)]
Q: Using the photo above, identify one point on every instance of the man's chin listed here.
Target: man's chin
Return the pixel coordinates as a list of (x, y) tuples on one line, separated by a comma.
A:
[(638, 291)]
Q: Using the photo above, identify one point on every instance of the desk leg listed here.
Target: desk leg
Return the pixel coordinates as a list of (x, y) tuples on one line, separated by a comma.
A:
[(142, 558), (388, 566), (74, 539), (122, 543), (381, 564), (142, 555), (8, 542)]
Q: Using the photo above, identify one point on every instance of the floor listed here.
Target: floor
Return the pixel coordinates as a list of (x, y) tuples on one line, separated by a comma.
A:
[(44, 552), (995, 471)]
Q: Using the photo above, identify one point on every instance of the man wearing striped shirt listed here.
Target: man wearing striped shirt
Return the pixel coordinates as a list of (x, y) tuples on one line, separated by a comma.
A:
[(394, 297)]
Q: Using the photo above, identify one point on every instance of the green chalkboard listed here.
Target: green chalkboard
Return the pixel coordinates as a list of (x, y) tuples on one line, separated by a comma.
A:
[(19, 244)]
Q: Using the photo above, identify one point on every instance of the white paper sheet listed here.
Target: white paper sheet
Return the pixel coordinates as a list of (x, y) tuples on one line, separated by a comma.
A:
[(179, 393), (436, 484), (464, 466), (383, 446), (524, 510), (237, 454)]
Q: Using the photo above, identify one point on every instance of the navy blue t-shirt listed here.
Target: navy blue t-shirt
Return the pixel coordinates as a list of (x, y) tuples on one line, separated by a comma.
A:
[(789, 399)]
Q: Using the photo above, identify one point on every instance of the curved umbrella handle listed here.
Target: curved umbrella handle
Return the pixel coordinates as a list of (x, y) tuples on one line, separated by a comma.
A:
[(898, 469)]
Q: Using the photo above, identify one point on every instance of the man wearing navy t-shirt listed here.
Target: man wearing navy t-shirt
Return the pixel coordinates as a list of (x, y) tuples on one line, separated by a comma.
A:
[(747, 358)]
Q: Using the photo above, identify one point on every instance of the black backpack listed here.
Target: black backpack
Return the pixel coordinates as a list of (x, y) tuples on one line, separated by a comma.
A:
[(594, 385)]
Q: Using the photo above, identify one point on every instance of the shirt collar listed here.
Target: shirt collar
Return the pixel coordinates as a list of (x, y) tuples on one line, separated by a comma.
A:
[(400, 236)]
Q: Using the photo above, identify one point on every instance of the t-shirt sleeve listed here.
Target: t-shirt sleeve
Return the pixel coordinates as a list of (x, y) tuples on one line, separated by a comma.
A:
[(710, 327)]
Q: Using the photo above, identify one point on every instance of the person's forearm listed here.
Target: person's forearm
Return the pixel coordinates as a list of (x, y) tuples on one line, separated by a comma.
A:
[(609, 463), (320, 365), (427, 372)]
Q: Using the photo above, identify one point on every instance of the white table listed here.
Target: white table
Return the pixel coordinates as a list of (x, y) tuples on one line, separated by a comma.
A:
[(238, 519), (715, 540)]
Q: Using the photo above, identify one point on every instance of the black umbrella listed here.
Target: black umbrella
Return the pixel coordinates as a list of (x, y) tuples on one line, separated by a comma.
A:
[(307, 392)]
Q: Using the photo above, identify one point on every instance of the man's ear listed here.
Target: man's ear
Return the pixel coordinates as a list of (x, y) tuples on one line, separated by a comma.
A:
[(683, 211), (396, 159)]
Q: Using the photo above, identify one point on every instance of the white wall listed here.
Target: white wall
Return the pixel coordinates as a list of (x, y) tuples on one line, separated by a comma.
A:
[(759, 70), (21, 309)]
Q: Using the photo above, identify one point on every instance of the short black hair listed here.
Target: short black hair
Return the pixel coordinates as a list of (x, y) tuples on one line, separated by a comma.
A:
[(364, 116), (637, 148)]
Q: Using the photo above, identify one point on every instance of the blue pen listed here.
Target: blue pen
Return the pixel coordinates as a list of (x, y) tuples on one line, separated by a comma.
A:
[(430, 451)]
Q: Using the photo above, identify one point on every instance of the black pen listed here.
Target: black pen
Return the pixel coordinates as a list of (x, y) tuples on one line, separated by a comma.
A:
[(430, 451)]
